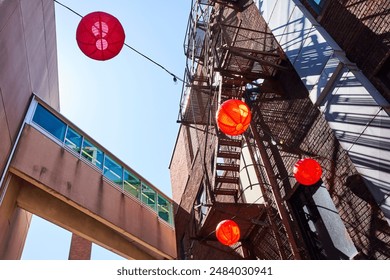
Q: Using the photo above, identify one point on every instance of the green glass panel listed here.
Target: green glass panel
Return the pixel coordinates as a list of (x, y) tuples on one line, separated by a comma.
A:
[(49, 122), (92, 153), (112, 170), (148, 196), (131, 184), (164, 209), (73, 140)]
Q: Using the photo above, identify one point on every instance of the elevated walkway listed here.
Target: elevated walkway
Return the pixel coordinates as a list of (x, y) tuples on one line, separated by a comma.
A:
[(94, 197)]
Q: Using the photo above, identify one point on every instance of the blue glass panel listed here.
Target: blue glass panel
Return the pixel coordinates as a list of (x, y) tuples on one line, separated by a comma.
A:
[(148, 196), (49, 122), (131, 184), (112, 170), (73, 140), (317, 5), (92, 153)]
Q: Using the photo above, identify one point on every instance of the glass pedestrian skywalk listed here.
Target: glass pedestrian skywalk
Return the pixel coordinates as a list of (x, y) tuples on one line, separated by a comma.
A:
[(55, 126)]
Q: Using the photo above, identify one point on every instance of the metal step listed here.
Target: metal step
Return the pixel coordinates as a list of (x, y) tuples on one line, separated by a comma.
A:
[(228, 167), (226, 191), (227, 179), (229, 142), (228, 154)]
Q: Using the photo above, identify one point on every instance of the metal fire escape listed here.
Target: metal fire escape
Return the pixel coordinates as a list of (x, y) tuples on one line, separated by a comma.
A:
[(225, 60)]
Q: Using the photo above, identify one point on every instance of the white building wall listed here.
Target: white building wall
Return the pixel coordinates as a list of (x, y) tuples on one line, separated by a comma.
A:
[(354, 109), (248, 180)]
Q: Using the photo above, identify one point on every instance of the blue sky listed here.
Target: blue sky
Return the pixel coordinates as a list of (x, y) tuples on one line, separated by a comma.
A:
[(127, 104)]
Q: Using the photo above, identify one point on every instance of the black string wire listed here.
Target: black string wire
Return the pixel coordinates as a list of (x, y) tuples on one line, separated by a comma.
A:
[(175, 77), (66, 7)]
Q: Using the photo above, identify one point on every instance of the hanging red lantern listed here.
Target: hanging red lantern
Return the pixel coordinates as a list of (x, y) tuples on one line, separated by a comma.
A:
[(100, 36), (227, 232), (233, 117), (307, 171)]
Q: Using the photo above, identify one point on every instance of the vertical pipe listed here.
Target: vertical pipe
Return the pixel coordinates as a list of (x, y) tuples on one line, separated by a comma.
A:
[(275, 190), (267, 205)]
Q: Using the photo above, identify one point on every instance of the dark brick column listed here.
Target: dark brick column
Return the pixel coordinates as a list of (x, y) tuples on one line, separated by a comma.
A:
[(80, 248)]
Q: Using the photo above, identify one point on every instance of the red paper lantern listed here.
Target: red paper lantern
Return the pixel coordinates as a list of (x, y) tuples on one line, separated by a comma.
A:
[(307, 171), (233, 117), (100, 36), (227, 232)]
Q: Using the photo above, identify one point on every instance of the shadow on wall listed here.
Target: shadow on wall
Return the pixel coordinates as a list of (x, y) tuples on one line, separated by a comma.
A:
[(378, 240), (307, 52), (363, 128)]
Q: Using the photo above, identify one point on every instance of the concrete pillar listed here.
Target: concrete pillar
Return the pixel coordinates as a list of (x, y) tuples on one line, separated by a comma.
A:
[(14, 222), (80, 248)]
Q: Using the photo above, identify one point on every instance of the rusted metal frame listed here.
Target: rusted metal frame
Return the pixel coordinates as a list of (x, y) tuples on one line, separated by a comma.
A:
[(196, 115), (242, 64), (289, 190), (275, 191), (191, 43), (197, 78), (226, 191), (217, 38), (189, 33), (253, 58), (267, 208), (228, 5), (206, 90), (262, 225), (239, 49), (208, 59), (182, 97), (241, 75), (261, 41), (228, 166), (248, 29), (241, 217), (223, 32), (214, 100), (223, 62), (215, 49), (189, 116), (210, 181), (192, 26), (191, 123), (259, 234), (206, 135), (231, 252)]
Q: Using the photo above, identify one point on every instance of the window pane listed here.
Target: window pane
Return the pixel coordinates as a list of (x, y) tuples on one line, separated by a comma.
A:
[(164, 209), (112, 171), (317, 5), (148, 196), (131, 184), (49, 122), (92, 154), (73, 140)]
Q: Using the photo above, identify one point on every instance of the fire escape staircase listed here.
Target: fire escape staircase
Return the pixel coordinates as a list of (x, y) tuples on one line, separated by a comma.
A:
[(237, 56), (227, 167)]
